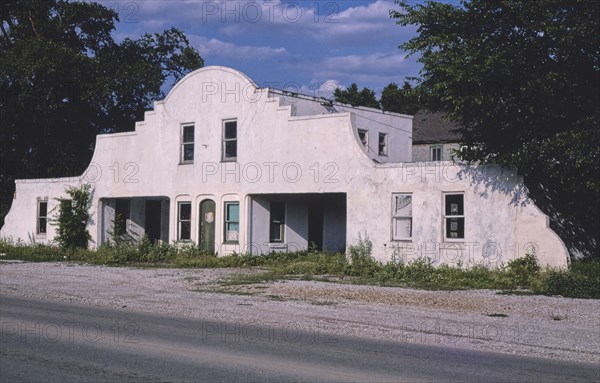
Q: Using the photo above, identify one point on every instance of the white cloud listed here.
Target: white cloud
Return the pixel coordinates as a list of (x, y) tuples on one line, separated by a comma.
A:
[(377, 68), (217, 48), (322, 22)]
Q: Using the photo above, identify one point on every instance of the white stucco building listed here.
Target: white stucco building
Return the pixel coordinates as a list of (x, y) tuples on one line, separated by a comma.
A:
[(237, 168)]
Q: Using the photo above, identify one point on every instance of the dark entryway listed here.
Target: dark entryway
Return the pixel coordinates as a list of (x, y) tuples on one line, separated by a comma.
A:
[(315, 226), (153, 220)]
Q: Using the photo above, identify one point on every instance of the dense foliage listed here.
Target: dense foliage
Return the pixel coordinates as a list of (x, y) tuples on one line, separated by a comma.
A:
[(73, 217), (353, 96), (63, 80), (521, 79)]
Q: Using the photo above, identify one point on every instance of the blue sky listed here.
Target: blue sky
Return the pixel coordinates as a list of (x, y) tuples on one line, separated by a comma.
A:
[(307, 46)]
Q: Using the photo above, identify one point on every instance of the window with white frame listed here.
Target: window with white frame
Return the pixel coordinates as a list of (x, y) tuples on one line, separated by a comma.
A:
[(401, 216), (435, 152), (363, 135), (232, 222), (42, 216), (184, 221), (277, 228), (454, 216), (230, 140), (187, 144), (383, 144)]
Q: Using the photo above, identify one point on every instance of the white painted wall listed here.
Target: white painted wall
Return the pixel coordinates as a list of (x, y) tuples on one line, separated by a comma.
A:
[(282, 153)]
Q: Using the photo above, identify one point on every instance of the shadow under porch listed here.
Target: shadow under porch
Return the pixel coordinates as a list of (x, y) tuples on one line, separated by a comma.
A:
[(297, 222), (132, 217)]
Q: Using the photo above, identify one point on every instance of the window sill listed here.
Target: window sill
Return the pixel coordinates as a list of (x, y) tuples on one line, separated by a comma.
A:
[(229, 159), (402, 239), (187, 163)]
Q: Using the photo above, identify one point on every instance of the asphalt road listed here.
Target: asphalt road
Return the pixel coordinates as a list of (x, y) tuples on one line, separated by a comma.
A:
[(43, 341)]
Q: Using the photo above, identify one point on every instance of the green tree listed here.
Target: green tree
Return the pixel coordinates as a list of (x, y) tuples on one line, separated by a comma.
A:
[(400, 100), (73, 217), (63, 80), (521, 80), (354, 97)]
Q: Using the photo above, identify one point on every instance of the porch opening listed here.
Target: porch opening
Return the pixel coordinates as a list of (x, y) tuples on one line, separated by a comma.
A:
[(297, 222), (133, 217)]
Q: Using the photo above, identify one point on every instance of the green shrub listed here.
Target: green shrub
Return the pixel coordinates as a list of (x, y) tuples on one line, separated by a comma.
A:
[(361, 262), (522, 271), (73, 217), (581, 280)]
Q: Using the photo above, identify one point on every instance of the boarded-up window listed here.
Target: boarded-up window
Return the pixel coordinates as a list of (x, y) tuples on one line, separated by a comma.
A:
[(401, 216)]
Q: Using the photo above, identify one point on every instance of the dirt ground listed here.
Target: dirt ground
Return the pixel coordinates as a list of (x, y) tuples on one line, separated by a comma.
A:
[(552, 327)]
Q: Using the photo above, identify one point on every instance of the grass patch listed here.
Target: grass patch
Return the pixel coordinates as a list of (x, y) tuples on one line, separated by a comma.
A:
[(521, 276)]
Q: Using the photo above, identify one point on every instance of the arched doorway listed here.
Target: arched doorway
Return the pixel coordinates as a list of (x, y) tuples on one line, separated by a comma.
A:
[(207, 226)]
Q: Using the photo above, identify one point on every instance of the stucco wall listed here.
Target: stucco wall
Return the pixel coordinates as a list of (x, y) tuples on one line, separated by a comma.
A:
[(282, 153)]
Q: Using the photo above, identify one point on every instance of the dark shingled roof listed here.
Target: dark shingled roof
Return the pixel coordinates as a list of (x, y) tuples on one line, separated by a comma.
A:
[(429, 128)]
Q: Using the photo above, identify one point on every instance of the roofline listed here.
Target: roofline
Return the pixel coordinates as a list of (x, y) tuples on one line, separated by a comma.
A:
[(287, 93), (436, 141)]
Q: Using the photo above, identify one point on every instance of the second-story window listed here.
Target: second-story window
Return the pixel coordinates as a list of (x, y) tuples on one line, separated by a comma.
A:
[(230, 140), (436, 153), (383, 144), (187, 144), (363, 135)]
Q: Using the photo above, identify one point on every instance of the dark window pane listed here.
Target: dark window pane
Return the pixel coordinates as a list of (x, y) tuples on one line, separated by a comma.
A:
[(231, 130), (188, 152), (455, 227), (43, 209), (42, 226), (185, 211), (230, 149), (277, 221), (454, 204), (188, 133), (277, 211), (185, 228), (362, 135), (382, 144)]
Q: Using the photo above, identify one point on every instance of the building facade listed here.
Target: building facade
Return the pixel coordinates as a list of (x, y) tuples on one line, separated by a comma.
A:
[(233, 167), (433, 138)]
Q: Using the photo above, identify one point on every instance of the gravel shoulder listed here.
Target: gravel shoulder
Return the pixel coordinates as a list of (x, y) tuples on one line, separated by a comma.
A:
[(552, 327)]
